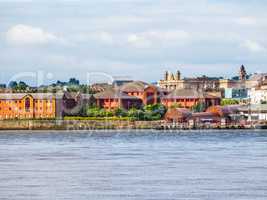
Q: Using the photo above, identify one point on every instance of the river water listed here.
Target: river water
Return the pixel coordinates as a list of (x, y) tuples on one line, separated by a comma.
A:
[(133, 165)]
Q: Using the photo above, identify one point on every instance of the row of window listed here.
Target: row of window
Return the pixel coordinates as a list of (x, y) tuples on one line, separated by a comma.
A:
[(20, 109), (35, 101), (25, 116), (182, 100)]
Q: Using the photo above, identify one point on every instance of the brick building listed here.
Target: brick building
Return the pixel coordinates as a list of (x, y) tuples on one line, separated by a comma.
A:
[(187, 98), (27, 106)]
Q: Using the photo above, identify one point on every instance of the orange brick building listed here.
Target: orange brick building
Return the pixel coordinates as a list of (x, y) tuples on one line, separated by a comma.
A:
[(27, 106), (187, 98), (133, 94)]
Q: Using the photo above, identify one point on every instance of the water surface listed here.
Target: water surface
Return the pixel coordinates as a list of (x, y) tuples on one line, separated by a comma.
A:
[(133, 165)]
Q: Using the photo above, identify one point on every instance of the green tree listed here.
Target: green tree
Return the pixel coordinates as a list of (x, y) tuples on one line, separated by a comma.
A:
[(119, 112), (226, 102), (13, 85), (176, 105), (22, 86), (199, 107), (136, 114)]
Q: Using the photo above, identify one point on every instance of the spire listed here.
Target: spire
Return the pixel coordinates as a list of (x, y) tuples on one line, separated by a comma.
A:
[(242, 73), (178, 75), (166, 76)]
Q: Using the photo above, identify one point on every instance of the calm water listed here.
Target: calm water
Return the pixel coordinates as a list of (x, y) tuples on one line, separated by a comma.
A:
[(133, 165)]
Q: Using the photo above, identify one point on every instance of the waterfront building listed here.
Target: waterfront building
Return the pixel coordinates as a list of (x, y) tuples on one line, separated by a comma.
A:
[(171, 82), (188, 98), (129, 95), (27, 106), (230, 113), (113, 98), (254, 112), (71, 103), (148, 93), (178, 115), (257, 95)]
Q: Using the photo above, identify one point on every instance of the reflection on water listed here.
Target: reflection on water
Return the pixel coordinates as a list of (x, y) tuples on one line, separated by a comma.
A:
[(133, 165)]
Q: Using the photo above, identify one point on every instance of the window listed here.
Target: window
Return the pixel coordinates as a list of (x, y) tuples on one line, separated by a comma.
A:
[(27, 104)]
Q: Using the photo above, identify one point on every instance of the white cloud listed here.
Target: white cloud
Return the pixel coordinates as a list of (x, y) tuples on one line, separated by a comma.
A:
[(246, 21), (27, 35), (253, 46), (96, 37), (147, 39)]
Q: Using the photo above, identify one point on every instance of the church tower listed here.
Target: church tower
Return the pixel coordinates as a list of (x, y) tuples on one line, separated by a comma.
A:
[(242, 73), (166, 76), (178, 75)]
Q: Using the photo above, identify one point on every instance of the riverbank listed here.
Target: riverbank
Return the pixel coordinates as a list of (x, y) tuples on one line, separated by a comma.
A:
[(76, 124), (109, 125)]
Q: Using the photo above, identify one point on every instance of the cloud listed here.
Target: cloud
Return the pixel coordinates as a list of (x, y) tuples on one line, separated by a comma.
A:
[(246, 21), (150, 38), (253, 46), (27, 35)]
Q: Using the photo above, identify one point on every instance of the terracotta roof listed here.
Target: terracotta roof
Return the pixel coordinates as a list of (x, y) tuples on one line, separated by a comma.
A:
[(11, 96), (113, 94), (188, 93), (136, 86), (224, 110), (177, 114)]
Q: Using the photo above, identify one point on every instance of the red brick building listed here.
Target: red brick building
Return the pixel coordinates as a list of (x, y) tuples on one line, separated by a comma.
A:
[(187, 98), (111, 99)]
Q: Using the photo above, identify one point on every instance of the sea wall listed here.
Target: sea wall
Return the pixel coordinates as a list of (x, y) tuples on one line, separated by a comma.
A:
[(74, 124)]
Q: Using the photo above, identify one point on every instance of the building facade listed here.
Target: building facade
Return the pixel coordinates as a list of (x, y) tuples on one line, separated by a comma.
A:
[(188, 98), (236, 93), (172, 82), (27, 106)]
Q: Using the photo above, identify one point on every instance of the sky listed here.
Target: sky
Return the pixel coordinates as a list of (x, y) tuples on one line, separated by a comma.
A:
[(137, 39)]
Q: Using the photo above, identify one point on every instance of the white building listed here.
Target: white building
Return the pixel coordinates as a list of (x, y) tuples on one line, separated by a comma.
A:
[(257, 96), (255, 112)]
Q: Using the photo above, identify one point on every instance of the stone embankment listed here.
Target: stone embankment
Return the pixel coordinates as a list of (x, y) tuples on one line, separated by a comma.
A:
[(75, 124)]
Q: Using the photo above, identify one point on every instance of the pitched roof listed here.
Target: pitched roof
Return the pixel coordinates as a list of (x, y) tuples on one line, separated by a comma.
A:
[(113, 94), (135, 86), (17, 96), (188, 93)]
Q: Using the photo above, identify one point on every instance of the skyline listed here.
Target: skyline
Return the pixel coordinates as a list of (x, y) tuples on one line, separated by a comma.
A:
[(128, 38)]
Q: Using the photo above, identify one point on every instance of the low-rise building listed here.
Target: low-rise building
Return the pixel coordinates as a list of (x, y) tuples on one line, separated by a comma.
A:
[(254, 112), (188, 98), (27, 106), (257, 96), (112, 98)]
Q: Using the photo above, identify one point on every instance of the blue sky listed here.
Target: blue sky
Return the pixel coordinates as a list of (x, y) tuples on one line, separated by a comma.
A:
[(136, 38)]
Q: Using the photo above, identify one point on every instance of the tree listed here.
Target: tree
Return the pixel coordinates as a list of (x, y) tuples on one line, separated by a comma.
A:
[(119, 112), (134, 113), (199, 107), (74, 81), (13, 85), (226, 102), (22, 86), (176, 105), (154, 112)]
